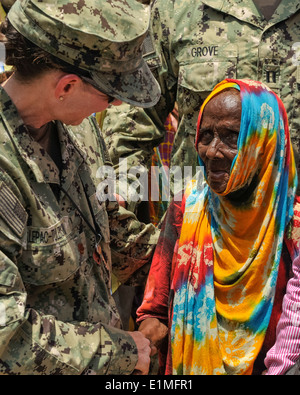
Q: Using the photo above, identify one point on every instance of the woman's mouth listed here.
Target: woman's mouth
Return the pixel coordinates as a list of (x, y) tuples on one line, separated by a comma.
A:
[(217, 175)]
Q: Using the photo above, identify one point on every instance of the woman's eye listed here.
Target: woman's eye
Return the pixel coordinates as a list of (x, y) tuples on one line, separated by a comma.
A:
[(205, 137), (231, 139)]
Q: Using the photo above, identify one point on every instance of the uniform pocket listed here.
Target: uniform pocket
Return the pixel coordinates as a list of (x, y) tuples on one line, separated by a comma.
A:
[(198, 76), (202, 77), (53, 254)]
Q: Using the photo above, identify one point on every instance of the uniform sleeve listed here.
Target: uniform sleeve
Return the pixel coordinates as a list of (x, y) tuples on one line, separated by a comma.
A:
[(34, 343), (132, 132), (286, 350), (132, 246), (157, 293), (132, 242)]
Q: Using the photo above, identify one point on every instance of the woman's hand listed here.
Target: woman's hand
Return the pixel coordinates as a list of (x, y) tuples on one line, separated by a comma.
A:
[(155, 331)]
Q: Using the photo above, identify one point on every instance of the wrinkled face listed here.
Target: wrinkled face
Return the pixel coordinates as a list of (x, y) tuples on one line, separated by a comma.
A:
[(219, 130)]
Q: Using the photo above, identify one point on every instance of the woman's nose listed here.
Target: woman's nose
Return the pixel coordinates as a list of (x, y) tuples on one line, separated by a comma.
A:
[(213, 149)]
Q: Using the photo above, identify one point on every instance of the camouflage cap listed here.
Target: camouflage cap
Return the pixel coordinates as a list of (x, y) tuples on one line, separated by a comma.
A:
[(103, 37)]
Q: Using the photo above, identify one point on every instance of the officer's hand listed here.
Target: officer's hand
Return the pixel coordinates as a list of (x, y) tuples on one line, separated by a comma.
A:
[(144, 351)]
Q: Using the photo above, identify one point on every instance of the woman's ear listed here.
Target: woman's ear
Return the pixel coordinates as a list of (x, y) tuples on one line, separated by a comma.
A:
[(66, 86)]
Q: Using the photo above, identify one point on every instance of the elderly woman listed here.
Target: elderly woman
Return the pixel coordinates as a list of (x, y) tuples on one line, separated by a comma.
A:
[(222, 262), (57, 314)]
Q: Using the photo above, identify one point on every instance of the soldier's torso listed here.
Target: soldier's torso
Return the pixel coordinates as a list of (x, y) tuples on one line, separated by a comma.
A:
[(56, 245)]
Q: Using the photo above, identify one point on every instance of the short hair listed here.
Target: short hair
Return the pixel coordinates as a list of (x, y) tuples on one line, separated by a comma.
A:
[(27, 59)]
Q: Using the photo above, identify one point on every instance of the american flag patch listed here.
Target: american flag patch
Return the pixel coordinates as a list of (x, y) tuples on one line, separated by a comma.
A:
[(12, 211)]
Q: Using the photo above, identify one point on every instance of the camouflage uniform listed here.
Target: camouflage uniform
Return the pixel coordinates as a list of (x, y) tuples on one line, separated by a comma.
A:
[(58, 245), (198, 44), (294, 370), (56, 306)]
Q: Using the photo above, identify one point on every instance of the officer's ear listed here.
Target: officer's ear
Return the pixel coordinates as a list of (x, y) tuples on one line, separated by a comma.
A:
[(67, 85)]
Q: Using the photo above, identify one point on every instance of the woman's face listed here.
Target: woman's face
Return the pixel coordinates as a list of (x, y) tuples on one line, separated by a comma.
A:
[(219, 130)]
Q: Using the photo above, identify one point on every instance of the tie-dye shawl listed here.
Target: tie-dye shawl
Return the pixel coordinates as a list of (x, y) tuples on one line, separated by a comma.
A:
[(228, 255)]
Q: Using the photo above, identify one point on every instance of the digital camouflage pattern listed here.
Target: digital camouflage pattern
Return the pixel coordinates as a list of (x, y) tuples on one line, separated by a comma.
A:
[(198, 44), (294, 370), (102, 37), (57, 315)]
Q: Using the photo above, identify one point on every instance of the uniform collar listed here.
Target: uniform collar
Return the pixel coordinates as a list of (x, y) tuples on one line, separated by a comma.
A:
[(246, 11), (42, 166)]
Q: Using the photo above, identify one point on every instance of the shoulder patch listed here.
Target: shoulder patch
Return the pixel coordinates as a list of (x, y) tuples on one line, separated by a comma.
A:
[(12, 211)]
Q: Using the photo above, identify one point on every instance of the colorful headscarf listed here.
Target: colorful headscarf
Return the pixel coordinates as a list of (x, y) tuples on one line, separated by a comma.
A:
[(228, 255)]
